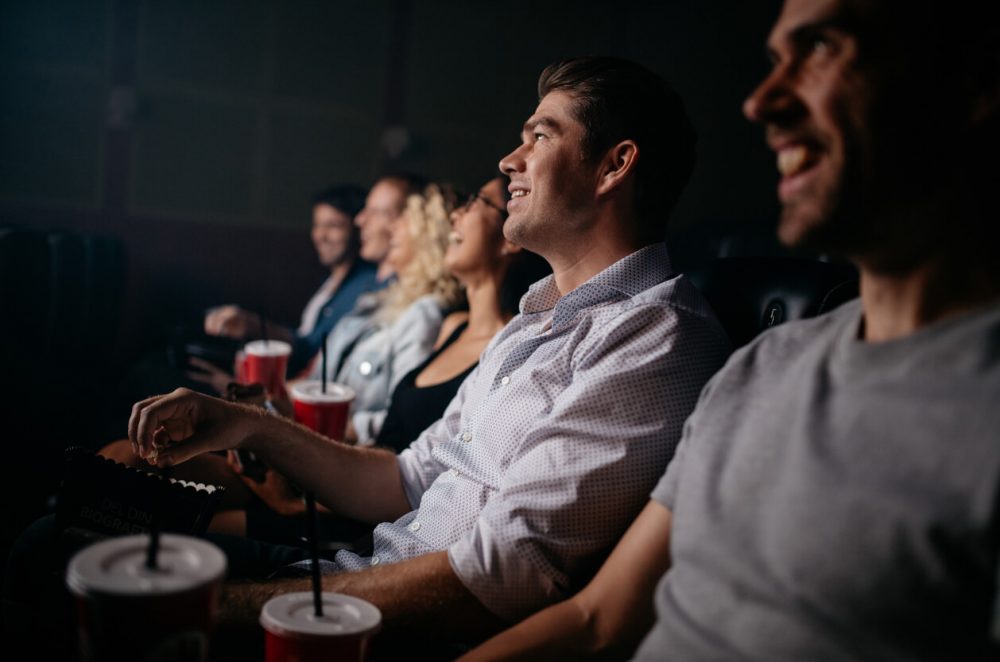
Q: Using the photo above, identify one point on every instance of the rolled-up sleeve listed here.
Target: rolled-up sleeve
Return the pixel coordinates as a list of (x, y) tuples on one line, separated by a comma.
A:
[(586, 468), (417, 465)]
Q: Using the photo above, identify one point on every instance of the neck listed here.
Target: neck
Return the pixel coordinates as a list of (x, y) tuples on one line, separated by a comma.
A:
[(591, 253), (384, 272), (485, 315), (898, 304), (339, 270)]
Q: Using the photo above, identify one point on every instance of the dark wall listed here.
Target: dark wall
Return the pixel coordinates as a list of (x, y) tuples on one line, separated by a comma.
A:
[(195, 131)]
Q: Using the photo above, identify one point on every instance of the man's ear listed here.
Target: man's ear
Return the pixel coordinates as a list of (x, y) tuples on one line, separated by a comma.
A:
[(618, 162)]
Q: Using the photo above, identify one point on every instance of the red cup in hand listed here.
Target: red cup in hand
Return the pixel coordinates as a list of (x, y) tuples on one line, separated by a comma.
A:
[(266, 364)]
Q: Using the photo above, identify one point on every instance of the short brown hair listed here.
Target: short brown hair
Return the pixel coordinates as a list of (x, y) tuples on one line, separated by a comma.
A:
[(616, 100)]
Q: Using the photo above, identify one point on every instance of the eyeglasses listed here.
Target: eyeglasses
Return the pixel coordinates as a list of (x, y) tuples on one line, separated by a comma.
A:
[(486, 201)]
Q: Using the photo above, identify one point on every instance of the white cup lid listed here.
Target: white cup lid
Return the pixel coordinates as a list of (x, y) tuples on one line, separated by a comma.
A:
[(118, 566), (293, 615), (311, 391), (268, 348)]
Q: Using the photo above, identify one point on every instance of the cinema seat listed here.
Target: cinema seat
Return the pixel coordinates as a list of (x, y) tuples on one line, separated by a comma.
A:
[(751, 294)]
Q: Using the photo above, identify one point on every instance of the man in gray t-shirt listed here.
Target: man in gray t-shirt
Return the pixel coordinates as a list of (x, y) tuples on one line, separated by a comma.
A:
[(836, 493)]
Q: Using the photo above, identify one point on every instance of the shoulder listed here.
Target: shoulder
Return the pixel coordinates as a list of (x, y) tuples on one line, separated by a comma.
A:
[(798, 336), (665, 314), (789, 347), (426, 308)]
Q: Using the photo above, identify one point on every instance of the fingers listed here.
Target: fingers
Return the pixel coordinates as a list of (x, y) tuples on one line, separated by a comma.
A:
[(173, 452), (223, 321), (175, 414), (133, 422), (203, 365), (233, 462)]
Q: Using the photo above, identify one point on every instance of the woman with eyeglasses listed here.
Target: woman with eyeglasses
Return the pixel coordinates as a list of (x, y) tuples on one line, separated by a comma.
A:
[(494, 274)]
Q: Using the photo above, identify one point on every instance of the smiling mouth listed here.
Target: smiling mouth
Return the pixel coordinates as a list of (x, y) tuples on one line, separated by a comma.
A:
[(454, 238), (795, 159)]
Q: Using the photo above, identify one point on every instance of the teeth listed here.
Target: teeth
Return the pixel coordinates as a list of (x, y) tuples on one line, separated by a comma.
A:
[(454, 238), (791, 160), (518, 194)]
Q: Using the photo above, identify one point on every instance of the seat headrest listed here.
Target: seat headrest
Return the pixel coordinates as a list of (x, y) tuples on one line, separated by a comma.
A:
[(751, 294)]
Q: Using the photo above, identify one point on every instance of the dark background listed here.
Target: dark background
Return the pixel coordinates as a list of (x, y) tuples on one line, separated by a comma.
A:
[(193, 132)]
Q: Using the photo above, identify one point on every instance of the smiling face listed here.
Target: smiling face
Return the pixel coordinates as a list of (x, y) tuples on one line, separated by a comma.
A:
[(383, 207), (476, 241), (552, 184), (331, 235), (402, 243), (815, 105), (850, 120)]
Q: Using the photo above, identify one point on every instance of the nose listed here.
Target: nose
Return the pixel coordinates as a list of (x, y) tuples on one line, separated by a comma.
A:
[(513, 162), (775, 99), (359, 220)]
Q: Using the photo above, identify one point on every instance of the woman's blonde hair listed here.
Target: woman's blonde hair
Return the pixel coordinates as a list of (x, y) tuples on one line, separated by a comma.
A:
[(427, 215)]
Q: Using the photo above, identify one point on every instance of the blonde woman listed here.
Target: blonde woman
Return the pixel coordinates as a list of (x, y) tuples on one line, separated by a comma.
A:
[(409, 318)]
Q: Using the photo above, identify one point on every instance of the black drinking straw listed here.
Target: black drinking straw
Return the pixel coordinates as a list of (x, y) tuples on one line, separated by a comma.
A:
[(313, 537), (154, 532), (263, 327), (154, 547), (324, 364)]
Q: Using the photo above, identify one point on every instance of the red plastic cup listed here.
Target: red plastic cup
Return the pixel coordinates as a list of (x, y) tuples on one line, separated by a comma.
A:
[(294, 632), (240, 368), (266, 363), (325, 413), (129, 612)]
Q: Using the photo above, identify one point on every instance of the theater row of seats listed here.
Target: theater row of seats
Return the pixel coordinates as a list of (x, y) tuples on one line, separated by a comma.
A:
[(60, 303)]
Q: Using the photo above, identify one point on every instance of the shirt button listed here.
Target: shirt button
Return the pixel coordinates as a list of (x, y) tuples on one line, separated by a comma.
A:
[(365, 368), (505, 380), (454, 472), (467, 436), (414, 526), (376, 560)]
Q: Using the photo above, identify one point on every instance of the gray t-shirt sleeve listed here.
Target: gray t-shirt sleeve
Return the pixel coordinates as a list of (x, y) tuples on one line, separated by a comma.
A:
[(665, 491)]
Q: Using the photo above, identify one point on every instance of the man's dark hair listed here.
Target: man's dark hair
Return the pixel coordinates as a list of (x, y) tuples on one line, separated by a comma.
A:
[(410, 182), (617, 100), (350, 200), (347, 198)]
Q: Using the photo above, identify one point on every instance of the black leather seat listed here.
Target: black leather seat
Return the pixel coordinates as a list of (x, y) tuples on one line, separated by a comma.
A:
[(751, 294)]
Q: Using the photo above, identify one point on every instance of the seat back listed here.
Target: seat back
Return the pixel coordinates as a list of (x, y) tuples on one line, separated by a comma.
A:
[(751, 294)]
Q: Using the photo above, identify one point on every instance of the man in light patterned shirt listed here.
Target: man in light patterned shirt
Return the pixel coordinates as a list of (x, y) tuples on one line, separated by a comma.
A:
[(550, 448)]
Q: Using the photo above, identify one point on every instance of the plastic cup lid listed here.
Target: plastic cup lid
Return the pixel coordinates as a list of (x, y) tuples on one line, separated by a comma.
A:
[(118, 566), (293, 615), (268, 348), (312, 392)]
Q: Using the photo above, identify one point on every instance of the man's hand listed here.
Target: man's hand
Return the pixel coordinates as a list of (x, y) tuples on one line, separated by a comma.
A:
[(170, 429), (206, 372), (231, 321), (275, 490)]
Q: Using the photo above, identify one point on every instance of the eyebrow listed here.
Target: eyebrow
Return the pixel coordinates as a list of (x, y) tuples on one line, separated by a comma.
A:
[(839, 21), (544, 121)]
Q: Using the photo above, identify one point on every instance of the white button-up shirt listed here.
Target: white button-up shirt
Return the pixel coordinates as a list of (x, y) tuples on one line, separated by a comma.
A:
[(553, 443)]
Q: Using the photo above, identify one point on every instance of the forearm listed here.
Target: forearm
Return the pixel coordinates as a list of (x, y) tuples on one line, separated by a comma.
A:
[(421, 597), (363, 483), (565, 629), (609, 617)]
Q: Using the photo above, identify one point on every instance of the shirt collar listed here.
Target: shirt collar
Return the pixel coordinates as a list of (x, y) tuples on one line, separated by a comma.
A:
[(625, 278)]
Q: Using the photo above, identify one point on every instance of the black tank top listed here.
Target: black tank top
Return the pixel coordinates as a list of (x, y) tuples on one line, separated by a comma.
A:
[(413, 409)]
